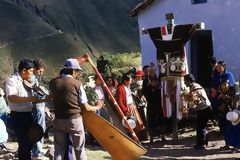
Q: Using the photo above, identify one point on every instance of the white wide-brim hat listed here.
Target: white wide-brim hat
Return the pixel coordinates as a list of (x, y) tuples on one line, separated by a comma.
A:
[(233, 116), (131, 122)]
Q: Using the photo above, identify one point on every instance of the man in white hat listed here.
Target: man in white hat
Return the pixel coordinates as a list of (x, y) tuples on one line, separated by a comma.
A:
[(68, 98)]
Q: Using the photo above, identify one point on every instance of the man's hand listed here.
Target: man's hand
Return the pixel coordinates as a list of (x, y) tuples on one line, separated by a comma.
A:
[(99, 104), (40, 100), (132, 107), (128, 114)]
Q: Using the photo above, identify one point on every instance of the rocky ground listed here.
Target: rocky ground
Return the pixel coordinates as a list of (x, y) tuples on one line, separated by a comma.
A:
[(170, 149)]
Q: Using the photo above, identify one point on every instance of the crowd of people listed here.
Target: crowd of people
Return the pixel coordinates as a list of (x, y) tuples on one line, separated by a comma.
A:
[(138, 95), (224, 97)]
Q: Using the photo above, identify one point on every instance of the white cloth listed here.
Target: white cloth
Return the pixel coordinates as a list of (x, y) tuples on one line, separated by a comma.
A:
[(164, 94), (202, 104), (100, 93), (128, 95), (3, 132), (82, 94), (178, 98), (14, 86)]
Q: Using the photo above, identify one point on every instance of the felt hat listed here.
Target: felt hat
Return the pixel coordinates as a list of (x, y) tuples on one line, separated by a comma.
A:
[(139, 73)]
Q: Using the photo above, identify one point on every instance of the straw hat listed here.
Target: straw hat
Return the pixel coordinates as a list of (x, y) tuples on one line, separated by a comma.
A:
[(233, 116)]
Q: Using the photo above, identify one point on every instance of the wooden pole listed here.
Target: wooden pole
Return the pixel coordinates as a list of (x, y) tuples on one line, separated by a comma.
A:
[(173, 97)]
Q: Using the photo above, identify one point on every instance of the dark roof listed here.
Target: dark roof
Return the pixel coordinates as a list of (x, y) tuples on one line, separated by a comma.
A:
[(139, 7)]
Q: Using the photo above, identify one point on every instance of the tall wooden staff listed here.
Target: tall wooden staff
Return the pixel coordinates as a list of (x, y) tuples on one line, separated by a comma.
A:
[(87, 58)]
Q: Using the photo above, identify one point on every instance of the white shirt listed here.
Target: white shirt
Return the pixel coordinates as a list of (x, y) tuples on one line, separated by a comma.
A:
[(82, 94), (195, 87), (14, 86), (100, 93), (3, 133), (129, 95)]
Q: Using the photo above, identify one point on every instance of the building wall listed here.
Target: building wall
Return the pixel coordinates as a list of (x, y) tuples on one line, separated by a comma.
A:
[(220, 16)]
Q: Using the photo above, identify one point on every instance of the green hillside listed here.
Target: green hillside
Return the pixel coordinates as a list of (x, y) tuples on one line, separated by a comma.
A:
[(102, 25), (49, 48), (18, 23), (57, 29)]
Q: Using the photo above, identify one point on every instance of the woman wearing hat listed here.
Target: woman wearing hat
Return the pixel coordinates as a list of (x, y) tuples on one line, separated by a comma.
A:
[(140, 101)]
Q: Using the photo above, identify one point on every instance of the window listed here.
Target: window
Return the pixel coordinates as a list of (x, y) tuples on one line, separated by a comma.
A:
[(198, 1)]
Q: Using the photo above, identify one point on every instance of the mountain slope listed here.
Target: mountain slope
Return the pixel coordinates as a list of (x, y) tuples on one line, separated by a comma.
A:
[(102, 25), (18, 23), (57, 29)]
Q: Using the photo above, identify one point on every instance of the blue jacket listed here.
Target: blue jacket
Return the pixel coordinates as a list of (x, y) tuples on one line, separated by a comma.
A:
[(218, 79)]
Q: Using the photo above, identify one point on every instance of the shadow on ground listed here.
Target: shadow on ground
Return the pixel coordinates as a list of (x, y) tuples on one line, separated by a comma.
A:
[(183, 149)]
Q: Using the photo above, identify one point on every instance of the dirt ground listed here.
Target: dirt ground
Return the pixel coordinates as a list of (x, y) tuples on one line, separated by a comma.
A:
[(170, 150), (181, 149)]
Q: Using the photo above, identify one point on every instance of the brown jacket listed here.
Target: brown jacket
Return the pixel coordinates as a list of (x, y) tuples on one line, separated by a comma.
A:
[(65, 91)]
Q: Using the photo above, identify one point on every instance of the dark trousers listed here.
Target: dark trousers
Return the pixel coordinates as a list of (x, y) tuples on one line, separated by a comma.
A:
[(222, 122), (21, 124), (202, 119)]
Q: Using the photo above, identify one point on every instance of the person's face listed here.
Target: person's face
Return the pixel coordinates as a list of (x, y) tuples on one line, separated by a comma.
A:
[(138, 78), (109, 82), (145, 71), (127, 83), (151, 73), (76, 74), (213, 92), (26, 74), (38, 72), (213, 65), (98, 82), (224, 87), (220, 68)]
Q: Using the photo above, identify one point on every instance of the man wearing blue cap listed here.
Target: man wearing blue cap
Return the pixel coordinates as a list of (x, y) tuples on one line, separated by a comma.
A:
[(68, 98)]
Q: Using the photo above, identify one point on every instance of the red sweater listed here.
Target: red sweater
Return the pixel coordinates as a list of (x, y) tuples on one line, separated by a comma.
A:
[(121, 98)]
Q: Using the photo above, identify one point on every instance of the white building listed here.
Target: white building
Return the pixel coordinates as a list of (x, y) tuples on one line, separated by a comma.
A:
[(222, 26)]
